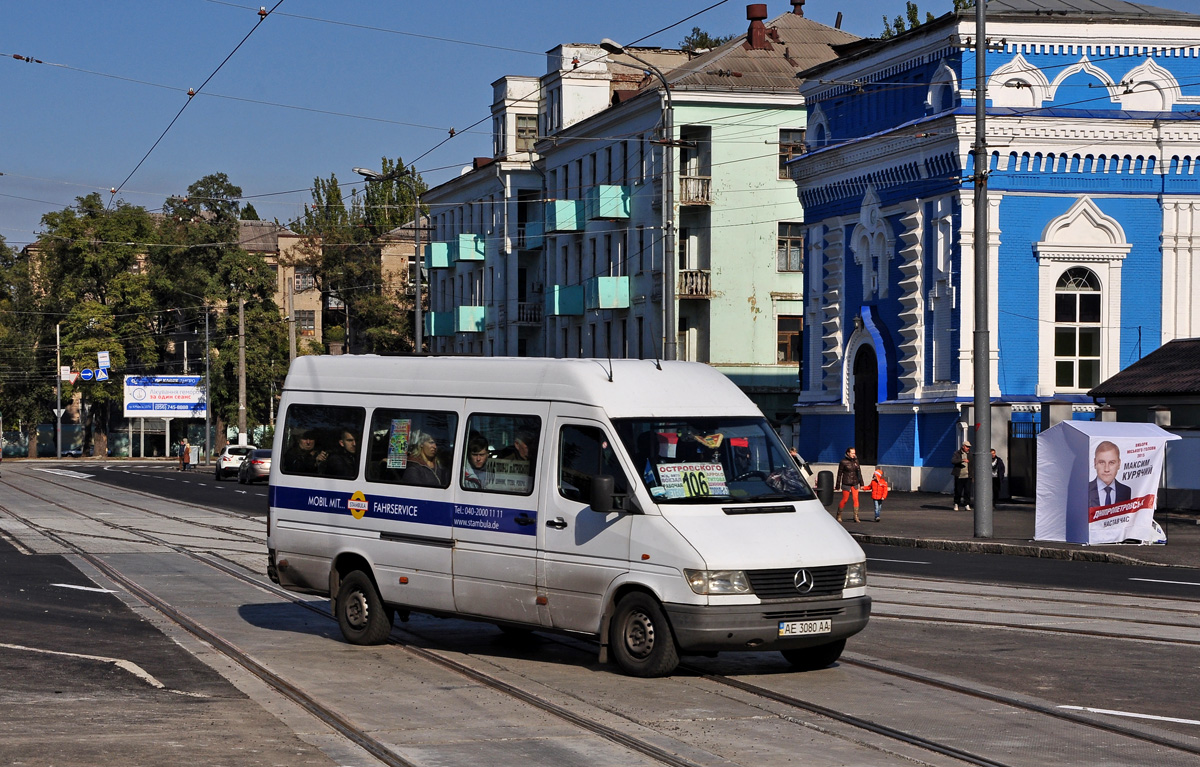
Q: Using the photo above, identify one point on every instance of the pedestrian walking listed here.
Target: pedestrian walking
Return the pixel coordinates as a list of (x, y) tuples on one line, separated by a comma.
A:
[(186, 455), (997, 475), (183, 446), (964, 472), (879, 491), (849, 479)]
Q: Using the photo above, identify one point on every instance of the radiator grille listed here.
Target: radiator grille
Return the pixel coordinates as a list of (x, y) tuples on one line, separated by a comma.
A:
[(781, 583)]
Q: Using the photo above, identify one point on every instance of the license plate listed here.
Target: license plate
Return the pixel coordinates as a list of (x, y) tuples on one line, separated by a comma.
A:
[(800, 628)]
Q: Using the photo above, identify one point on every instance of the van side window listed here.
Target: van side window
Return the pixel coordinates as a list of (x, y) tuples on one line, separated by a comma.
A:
[(501, 455), (585, 452), (322, 440), (411, 447)]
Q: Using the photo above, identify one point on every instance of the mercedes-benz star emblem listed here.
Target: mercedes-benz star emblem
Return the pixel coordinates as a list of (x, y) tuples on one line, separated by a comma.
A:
[(804, 581)]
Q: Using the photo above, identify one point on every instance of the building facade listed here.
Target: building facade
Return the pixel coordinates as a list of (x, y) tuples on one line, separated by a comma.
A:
[(1093, 207), (595, 231)]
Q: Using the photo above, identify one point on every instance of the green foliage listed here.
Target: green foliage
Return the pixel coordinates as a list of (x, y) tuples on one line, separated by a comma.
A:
[(249, 213), (27, 340), (913, 17), (699, 40)]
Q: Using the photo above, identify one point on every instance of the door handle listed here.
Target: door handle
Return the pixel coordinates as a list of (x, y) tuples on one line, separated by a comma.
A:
[(558, 523)]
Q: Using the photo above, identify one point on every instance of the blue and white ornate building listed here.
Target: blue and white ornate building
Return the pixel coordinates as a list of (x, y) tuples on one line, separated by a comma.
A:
[(1094, 222)]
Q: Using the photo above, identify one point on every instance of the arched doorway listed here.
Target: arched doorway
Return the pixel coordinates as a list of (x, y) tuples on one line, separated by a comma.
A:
[(866, 405)]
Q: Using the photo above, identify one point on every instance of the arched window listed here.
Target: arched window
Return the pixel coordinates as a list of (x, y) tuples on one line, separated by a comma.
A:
[(1077, 301)]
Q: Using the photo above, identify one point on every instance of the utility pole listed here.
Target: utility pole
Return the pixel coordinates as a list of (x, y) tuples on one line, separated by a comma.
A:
[(981, 440), (242, 438), (207, 398), (292, 317), (58, 408)]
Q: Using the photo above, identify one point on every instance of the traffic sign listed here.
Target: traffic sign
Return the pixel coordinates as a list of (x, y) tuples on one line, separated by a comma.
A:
[(72, 376), (64, 373), (102, 361), (101, 374), (58, 412), (86, 374)]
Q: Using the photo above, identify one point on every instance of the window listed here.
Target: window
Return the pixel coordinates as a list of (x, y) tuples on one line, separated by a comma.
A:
[(411, 447), (584, 453), (791, 146), (790, 248), (1077, 329), (322, 440), (305, 279), (501, 455), (306, 322), (526, 132), (790, 327)]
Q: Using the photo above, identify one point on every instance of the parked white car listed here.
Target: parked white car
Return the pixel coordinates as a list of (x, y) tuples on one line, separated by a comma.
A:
[(230, 460)]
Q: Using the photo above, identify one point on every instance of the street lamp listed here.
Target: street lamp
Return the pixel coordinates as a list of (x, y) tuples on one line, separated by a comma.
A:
[(410, 176), (668, 212)]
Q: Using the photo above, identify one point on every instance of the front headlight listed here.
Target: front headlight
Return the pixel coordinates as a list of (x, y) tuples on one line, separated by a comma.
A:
[(856, 576), (718, 581)]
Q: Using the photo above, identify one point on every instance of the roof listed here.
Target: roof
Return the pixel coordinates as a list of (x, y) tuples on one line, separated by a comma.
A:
[(1173, 368), (260, 236), (795, 43), (637, 388)]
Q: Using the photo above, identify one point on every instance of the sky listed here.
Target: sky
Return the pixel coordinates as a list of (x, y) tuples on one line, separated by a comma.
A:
[(316, 88)]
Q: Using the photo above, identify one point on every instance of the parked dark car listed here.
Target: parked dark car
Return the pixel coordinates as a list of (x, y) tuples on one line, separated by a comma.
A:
[(230, 460)]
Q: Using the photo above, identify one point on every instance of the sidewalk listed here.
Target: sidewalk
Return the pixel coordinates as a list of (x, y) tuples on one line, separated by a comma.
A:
[(928, 521)]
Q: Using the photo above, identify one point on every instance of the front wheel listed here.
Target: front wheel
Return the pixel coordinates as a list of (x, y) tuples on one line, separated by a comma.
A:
[(360, 612), (813, 658), (641, 639)]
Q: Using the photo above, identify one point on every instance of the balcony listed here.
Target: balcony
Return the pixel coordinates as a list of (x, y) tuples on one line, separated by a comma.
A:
[(531, 235), (564, 216), (606, 202), (694, 283), (469, 319), (562, 300), (439, 324), (606, 293), (440, 255), (529, 313), (470, 248), (695, 190)]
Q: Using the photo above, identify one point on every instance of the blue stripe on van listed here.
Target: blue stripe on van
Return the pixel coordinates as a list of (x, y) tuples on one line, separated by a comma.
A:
[(480, 517)]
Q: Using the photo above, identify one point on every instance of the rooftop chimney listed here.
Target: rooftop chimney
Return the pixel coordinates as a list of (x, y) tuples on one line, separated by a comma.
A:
[(756, 36), (798, 7)]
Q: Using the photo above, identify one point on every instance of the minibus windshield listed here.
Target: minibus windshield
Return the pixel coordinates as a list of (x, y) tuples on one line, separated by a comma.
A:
[(712, 460)]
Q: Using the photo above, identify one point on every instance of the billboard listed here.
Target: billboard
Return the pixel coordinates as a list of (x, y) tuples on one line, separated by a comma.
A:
[(165, 397)]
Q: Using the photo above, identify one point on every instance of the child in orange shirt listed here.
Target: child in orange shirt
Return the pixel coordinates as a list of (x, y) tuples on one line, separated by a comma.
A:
[(879, 491)]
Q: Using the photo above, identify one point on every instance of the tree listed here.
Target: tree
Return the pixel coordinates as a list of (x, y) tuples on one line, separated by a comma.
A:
[(90, 270), (249, 213), (699, 40), (27, 371), (897, 26)]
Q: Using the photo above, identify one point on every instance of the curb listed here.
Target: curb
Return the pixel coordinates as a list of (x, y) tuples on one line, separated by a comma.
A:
[(977, 547)]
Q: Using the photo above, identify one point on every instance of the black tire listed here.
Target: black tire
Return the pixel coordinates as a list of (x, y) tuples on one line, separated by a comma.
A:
[(813, 658), (640, 637), (217, 474), (360, 612)]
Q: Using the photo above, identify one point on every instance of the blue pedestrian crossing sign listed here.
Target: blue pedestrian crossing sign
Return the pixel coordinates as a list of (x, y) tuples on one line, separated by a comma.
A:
[(86, 374), (101, 374)]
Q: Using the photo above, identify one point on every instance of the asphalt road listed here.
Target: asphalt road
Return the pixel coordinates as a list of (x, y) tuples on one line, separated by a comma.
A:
[(197, 486)]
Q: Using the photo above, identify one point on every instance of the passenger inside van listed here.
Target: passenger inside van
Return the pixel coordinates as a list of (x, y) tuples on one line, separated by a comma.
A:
[(343, 460), (423, 468), (303, 457), (476, 475)]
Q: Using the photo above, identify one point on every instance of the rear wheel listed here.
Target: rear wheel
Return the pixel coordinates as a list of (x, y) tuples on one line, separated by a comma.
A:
[(217, 473), (360, 612), (640, 637), (813, 658)]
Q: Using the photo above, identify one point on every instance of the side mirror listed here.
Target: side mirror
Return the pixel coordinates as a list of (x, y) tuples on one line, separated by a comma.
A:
[(602, 490)]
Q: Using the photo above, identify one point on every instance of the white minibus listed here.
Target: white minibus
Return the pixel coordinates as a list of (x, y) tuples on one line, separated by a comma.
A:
[(645, 504)]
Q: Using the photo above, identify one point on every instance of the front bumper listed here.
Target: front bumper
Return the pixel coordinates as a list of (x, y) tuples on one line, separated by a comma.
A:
[(756, 627)]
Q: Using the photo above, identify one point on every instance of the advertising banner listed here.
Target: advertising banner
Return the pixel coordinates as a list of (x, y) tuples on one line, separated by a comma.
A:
[(164, 397), (1097, 482)]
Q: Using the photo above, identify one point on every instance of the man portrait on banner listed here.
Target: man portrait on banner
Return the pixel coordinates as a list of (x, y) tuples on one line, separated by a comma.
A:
[(1104, 489)]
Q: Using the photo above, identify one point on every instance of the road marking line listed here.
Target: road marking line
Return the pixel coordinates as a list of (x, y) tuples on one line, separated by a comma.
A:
[(1131, 714), (900, 561), (68, 473), (1176, 583), (120, 663), (83, 588)]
